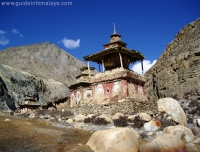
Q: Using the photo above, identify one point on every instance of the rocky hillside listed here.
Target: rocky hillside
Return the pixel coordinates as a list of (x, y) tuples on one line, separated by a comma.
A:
[(177, 71), (41, 70), (44, 60)]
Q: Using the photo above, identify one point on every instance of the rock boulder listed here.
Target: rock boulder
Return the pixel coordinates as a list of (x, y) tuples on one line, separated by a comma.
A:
[(172, 108), (165, 143), (114, 140)]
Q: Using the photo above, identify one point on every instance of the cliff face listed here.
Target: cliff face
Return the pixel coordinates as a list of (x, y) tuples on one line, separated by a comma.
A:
[(40, 70), (177, 71)]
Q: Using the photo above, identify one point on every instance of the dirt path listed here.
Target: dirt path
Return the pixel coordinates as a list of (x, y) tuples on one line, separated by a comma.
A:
[(19, 135)]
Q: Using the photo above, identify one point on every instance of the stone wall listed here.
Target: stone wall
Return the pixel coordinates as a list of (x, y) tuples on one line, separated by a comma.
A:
[(177, 70), (125, 106)]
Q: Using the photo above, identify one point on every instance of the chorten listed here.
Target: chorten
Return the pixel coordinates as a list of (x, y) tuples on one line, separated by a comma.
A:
[(115, 54), (116, 80)]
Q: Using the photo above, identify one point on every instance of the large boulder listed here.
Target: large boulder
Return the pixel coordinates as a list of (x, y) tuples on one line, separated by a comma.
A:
[(180, 132), (114, 140), (165, 143), (172, 108)]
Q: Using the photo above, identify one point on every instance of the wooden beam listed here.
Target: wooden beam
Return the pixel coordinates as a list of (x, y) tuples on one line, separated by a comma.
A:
[(88, 63), (120, 57), (142, 67), (103, 66)]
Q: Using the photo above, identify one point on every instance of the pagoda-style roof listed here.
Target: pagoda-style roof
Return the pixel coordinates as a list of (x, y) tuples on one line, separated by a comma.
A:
[(97, 57)]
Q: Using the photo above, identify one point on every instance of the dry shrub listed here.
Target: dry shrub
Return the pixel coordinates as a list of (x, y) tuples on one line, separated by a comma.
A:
[(195, 131), (143, 134), (193, 112), (166, 123), (189, 120), (89, 119), (66, 113), (121, 122), (99, 121), (193, 103), (138, 123)]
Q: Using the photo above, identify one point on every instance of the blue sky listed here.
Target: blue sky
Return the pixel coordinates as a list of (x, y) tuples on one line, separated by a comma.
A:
[(81, 27)]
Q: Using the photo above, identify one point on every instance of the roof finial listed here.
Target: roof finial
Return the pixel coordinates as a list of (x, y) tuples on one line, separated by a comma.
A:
[(114, 28)]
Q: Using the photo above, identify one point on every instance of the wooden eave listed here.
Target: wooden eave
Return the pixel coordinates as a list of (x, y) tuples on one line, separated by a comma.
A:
[(83, 75), (86, 68), (114, 43), (97, 57), (82, 84)]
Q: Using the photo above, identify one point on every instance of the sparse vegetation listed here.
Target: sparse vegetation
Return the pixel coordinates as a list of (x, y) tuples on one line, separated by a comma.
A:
[(121, 122), (89, 119), (53, 113), (166, 123), (99, 121), (195, 131), (143, 135), (138, 123)]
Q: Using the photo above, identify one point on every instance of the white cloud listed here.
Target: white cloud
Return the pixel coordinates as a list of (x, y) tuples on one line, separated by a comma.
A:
[(146, 66), (15, 31), (71, 44), (2, 32), (4, 40)]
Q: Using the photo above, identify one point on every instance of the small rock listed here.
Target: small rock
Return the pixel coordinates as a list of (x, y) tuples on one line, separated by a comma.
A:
[(32, 115), (145, 116), (132, 117), (198, 122), (194, 121), (79, 144), (152, 125), (106, 117), (197, 141), (41, 116), (150, 133), (79, 126), (117, 116), (79, 118), (90, 115), (69, 120), (7, 120)]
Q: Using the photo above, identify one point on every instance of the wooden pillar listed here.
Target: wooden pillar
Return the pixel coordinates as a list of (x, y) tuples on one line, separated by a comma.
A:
[(103, 66), (88, 64), (120, 57), (142, 67), (99, 68)]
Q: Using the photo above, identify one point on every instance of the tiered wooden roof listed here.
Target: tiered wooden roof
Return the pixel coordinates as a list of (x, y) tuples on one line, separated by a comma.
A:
[(97, 57)]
